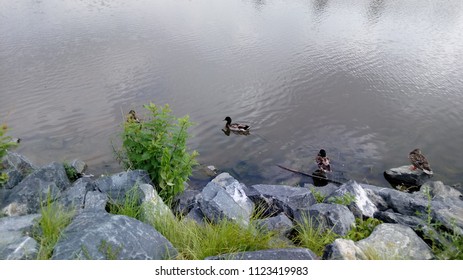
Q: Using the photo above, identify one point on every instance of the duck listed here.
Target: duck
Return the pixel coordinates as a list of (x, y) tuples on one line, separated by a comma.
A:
[(132, 117), (323, 161), (236, 127), (419, 161)]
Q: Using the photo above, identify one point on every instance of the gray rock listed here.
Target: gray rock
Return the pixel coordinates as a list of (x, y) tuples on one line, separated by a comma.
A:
[(335, 217), (17, 167), (438, 190), (196, 215), (95, 200), (280, 223), (343, 249), (403, 175), (272, 254), (99, 235), (236, 190), (79, 166), (15, 242), (117, 185), (217, 204), (152, 205), (362, 205), (325, 190), (74, 197), (394, 241), (45, 183), (281, 198), (185, 201)]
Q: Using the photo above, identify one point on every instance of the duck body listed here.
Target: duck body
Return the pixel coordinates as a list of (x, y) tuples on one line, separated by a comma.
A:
[(236, 127), (132, 117), (419, 161), (323, 161)]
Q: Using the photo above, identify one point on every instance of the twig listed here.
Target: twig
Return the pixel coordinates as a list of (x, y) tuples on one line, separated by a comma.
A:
[(310, 175)]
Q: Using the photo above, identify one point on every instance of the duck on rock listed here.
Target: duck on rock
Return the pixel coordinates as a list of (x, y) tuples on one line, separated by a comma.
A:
[(419, 161)]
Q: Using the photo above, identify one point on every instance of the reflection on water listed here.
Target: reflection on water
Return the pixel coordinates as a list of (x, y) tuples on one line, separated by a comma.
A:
[(366, 80)]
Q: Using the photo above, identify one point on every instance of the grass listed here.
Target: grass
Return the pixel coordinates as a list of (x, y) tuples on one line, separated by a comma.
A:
[(197, 241), (313, 235), (319, 197), (130, 206), (54, 219)]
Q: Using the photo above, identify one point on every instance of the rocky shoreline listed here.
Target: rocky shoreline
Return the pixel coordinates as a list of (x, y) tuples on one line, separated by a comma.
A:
[(406, 217)]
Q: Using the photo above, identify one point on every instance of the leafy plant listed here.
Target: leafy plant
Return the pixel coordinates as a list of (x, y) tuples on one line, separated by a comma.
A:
[(362, 228), (5, 143), (345, 199), (70, 172), (158, 145), (54, 219), (313, 235)]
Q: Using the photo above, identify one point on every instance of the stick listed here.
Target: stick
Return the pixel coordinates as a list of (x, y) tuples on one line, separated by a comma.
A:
[(310, 175)]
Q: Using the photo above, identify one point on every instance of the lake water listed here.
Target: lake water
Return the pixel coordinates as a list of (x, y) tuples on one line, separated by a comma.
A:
[(368, 80)]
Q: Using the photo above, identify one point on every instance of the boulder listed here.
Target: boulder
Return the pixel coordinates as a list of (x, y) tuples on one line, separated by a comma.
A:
[(74, 197), (362, 206), (185, 201), (272, 254), (335, 217), (17, 167), (403, 175), (394, 241), (196, 215), (97, 235), (437, 190), (117, 185), (95, 200), (281, 198), (15, 242), (220, 200), (153, 206), (281, 224), (326, 190), (79, 166), (343, 249), (46, 183)]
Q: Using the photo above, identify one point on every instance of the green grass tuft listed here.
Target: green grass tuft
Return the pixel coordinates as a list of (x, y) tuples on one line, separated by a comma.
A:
[(313, 235)]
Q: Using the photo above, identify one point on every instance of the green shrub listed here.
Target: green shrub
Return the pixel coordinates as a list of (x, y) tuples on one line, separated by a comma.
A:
[(362, 228), (158, 145), (5, 143)]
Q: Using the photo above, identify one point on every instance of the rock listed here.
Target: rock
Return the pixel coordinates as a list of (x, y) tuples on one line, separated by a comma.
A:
[(45, 183), (74, 197), (272, 254), (152, 205), (17, 167), (15, 242), (236, 190), (196, 215), (343, 249), (362, 206), (79, 166), (230, 202), (394, 241), (438, 190), (95, 200), (117, 185), (185, 201), (326, 190), (281, 198), (403, 175), (211, 170), (333, 217), (98, 235), (281, 224)]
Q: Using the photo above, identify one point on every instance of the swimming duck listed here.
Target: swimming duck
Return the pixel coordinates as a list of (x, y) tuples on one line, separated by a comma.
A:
[(323, 161), (236, 127), (419, 161), (132, 117)]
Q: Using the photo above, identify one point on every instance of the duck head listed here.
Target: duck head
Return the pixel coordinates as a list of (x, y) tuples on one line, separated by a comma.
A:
[(228, 120), (322, 153)]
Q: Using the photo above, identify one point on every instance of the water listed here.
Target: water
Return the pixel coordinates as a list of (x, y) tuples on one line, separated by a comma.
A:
[(366, 80)]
